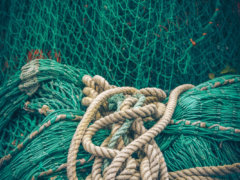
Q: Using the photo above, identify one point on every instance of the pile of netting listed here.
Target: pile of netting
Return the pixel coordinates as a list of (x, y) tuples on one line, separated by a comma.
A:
[(136, 43), (56, 121)]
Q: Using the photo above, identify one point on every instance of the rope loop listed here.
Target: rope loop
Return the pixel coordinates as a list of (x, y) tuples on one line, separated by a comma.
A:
[(130, 150)]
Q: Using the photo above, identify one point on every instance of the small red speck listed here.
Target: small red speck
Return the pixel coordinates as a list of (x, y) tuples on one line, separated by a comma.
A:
[(156, 34), (57, 56), (193, 42), (41, 55), (6, 64), (30, 55), (217, 9), (163, 28), (14, 142), (204, 34), (129, 23), (210, 22), (36, 52), (217, 25), (86, 5)]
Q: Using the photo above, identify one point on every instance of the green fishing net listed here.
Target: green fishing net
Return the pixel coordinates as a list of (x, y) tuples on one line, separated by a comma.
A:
[(130, 43), (135, 43), (204, 130)]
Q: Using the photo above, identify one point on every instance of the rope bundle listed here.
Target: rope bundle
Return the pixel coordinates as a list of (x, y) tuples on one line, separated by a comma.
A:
[(138, 106)]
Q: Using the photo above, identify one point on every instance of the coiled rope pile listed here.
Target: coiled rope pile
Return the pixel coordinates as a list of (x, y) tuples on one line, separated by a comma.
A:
[(131, 133), (150, 163)]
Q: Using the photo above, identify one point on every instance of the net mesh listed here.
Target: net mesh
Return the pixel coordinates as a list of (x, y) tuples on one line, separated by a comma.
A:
[(130, 43), (136, 43), (204, 130)]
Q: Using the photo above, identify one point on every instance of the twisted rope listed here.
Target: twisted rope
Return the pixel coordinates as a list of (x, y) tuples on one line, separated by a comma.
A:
[(87, 118), (150, 163), (210, 171), (147, 136)]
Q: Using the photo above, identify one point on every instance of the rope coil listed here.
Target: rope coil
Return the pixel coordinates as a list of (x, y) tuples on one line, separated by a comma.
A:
[(152, 165)]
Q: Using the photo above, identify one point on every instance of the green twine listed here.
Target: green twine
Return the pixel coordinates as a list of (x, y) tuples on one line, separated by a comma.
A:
[(124, 129)]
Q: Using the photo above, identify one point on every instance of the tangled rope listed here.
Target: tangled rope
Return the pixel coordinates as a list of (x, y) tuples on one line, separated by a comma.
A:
[(115, 157)]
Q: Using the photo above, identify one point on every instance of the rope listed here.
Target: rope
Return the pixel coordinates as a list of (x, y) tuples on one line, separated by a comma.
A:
[(151, 163), (207, 171), (147, 136), (122, 131), (87, 118), (154, 156), (128, 117)]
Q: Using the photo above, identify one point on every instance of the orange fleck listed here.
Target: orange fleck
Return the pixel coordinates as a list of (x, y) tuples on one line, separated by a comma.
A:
[(210, 22), (203, 88), (30, 55), (193, 42), (36, 52), (57, 56), (204, 34), (35, 55), (41, 55), (14, 142), (53, 178), (217, 9)]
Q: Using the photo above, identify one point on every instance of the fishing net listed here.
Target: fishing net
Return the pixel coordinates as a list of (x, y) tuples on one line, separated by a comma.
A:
[(44, 109), (142, 44), (135, 43)]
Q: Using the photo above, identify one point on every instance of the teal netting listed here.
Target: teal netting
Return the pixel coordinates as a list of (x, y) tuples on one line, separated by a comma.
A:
[(130, 43), (136, 43)]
